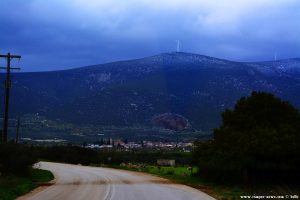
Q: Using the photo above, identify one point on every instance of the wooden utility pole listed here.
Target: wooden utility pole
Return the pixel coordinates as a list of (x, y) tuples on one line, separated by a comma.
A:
[(8, 57), (18, 128)]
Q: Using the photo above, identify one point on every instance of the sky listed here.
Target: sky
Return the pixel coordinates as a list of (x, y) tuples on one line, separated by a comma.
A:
[(63, 34)]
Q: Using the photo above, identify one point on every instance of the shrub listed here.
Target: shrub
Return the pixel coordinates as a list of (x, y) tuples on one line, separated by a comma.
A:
[(69, 154), (16, 159)]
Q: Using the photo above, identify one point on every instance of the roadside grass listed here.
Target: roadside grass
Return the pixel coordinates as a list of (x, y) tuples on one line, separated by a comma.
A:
[(187, 176), (183, 175), (12, 186)]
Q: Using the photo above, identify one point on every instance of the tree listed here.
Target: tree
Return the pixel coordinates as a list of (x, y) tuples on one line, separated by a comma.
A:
[(259, 125), (258, 138)]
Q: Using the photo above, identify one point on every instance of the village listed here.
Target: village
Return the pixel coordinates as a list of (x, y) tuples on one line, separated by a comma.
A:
[(124, 145)]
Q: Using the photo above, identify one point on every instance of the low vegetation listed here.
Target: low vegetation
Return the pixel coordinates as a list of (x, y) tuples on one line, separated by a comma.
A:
[(12, 186), (16, 159), (225, 191), (16, 174), (79, 155)]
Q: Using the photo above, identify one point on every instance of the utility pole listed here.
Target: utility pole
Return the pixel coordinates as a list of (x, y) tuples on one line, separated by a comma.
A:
[(8, 57), (18, 128)]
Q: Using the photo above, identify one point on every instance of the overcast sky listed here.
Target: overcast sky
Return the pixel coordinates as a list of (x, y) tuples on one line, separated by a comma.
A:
[(61, 34)]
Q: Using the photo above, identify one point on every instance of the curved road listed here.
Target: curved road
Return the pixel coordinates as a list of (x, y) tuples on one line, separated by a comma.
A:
[(88, 183)]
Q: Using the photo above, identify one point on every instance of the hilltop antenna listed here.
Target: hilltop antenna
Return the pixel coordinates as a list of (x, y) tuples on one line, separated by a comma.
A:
[(275, 56), (178, 46)]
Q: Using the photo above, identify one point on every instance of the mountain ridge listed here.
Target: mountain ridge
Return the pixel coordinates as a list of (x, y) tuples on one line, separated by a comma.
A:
[(168, 54), (129, 93)]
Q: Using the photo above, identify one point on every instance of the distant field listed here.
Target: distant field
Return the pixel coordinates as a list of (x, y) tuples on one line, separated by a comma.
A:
[(14, 186), (40, 133)]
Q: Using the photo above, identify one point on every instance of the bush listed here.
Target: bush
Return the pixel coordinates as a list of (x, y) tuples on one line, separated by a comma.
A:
[(170, 172), (16, 159), (69, 154)]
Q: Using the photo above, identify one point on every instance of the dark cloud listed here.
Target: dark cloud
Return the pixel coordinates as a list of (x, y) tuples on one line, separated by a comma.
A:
[(52, 35)]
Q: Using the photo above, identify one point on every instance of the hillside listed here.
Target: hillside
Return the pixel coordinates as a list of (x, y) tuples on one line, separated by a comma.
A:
[(132, 93)]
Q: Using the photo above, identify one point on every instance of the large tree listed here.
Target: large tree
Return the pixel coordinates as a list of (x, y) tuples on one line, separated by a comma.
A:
[(260, 124), (260, 135)]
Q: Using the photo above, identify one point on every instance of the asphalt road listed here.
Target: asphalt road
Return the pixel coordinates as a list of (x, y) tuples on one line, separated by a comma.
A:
[(74, 182)]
